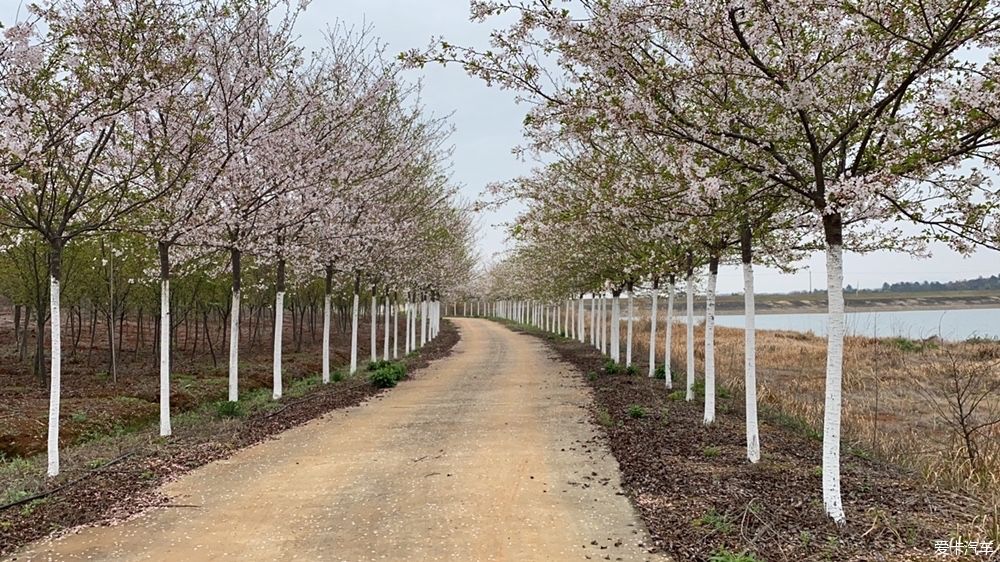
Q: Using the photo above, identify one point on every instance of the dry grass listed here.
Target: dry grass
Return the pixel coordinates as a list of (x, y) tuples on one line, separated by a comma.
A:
[(895, 391)]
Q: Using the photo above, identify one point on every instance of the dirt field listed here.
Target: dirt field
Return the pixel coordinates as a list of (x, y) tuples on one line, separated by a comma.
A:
[(94, 405)]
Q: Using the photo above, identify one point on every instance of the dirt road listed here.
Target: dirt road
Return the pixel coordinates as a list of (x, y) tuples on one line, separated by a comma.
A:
[(487, 455)]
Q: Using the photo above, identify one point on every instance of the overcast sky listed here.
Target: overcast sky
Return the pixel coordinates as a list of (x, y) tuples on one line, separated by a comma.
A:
[(488, 125)]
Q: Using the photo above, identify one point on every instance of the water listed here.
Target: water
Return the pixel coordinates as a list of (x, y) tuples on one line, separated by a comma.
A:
[(951, 325)]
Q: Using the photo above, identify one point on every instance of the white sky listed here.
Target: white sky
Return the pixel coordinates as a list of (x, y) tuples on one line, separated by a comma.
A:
[(488, 125)]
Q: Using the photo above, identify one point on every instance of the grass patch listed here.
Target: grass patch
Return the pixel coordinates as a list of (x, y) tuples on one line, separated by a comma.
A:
[(906, 345), (604, 418), (300, 387), (715, 520), (612, 368), (711, 452), (229, 409), (386, 374), (636, 411), (676, 395), (724, 555), (789, 422)]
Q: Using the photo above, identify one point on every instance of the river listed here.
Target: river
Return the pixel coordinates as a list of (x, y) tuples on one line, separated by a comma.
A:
[(953, 325)]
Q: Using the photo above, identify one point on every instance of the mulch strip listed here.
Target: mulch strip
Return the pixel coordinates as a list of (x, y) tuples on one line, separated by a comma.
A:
[(699, 497), (118, 491)]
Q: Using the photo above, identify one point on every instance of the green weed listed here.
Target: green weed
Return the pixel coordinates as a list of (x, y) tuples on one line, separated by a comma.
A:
[(718, 521), (636, 411), (724, 555), (229, 409)]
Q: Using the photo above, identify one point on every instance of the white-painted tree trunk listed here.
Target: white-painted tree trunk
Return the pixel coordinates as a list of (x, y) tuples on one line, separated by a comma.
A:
[(374, 330), (710, 349), (55, 376), (395, 331), (234, 349), (834, 372), (409, 341), (600, 324), (603, 319), (165, 428), (669, 343), (628, 332), (690, 338), (279, 322), (616, 319), (354, 333), (326, 339), (750, 364), (581, 334), (385, 335), (423, 322), (652, 335)]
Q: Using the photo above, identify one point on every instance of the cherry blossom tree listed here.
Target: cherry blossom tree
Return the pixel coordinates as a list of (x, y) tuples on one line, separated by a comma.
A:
[(77, 82), (866, 114)]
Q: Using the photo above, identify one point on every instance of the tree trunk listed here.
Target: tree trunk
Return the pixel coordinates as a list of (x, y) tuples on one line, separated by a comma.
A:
[(689, 289), (593, 321), (79, 328), (18, 334), (354, 326), (652, 328), (279, 323), (374, 325), (409, 341), (93, 332), (385, 334), (616, 318), (113, 355), (208, 338), (395, 326), (234, 328), (833, 229), (628, 330), (23, 348), (163, 249), (713, 275), (749, 346), (55, 372), (327, 290), (423, 320), (668, 368)]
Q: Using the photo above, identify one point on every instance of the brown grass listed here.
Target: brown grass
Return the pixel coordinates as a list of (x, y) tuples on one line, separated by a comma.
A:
[(893, 392)]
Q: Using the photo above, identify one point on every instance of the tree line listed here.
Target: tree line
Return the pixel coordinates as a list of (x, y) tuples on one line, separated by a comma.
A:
[(189, 160), (673, 138)]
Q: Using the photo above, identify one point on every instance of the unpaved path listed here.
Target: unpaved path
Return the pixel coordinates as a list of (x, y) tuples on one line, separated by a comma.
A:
[(487, 455)]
